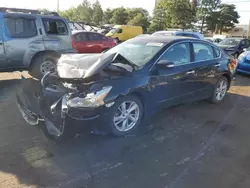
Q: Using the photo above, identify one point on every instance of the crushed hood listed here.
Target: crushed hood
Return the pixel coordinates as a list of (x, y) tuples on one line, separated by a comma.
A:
[(83, 65)]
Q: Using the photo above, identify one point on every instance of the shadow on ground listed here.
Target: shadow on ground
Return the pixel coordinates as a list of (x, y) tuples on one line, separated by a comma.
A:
[(195, 145)]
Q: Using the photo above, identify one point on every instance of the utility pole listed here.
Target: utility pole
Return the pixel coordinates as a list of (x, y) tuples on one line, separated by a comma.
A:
[(58, 5)]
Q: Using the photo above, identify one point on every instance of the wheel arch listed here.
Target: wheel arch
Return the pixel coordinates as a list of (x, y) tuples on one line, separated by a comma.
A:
[(41, 53), (228, 77)]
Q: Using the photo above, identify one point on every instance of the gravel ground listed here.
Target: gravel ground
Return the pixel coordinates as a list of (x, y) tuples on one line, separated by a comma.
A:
[(198, 145)]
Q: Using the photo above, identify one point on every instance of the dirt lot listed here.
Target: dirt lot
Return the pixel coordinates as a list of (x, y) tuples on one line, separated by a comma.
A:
[(190, 146)]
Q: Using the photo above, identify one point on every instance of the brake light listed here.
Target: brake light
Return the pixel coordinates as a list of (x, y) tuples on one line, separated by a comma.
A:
[(73, 43), (233, 64)]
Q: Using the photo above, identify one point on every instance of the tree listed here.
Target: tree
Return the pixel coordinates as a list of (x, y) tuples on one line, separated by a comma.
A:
[(204, 8), (120, 16), (160, 20), (84, 12), (108, 14), (97, 13), (172, 13), (69, 14), (228, 17), (181, 13), (138, 17), (140, 20)]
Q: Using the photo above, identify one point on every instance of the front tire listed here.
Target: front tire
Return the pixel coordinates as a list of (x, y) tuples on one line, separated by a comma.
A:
[(126, 116), (220, 90)]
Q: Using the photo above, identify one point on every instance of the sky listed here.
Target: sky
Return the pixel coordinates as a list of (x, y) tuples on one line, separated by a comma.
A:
[(243, 6)]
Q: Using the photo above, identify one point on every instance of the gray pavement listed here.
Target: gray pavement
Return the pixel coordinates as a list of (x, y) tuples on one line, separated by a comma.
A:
[(199, 145)]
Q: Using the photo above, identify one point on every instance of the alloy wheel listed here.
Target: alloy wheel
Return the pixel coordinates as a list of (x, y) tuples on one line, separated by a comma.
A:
[(47, 66), (221, 90), (126, 116)]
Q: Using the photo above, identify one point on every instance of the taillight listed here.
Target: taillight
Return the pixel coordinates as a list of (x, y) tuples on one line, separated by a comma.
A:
[(73, 43), (232, 64)]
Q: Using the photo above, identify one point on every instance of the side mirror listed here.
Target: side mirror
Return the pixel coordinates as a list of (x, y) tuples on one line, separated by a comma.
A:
[(165, 64)]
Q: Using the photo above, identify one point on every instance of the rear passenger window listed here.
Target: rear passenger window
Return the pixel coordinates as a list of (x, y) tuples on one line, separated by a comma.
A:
[(55, 27), (95, 37), (178, 54), (202, 52), (81, 37), (21, 27)]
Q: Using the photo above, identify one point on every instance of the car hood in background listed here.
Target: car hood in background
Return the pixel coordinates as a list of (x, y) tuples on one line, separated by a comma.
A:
[(227, 47)]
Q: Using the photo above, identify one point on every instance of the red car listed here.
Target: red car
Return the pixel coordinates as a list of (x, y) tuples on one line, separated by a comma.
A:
[(91, 42)]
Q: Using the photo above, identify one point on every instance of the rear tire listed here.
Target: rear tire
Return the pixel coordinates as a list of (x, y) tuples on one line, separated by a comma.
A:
[(42, 64), (220, 90)]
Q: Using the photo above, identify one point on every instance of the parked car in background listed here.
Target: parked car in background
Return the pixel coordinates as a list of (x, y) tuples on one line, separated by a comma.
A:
[(244, 62), (117, 90), (234, 46), (32, 40), (91, 42), (213, 40), (179, 33), (124, 32), (143, 35)]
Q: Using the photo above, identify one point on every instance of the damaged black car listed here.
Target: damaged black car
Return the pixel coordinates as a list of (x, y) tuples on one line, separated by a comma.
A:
[(118, 90)]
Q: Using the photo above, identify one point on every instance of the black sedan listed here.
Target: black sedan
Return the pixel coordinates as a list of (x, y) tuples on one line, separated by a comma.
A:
[(234, 46), (118, 90)]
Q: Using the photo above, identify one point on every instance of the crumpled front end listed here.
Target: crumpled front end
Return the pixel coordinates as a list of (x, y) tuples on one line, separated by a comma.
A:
[(61, 105), (35, 105)]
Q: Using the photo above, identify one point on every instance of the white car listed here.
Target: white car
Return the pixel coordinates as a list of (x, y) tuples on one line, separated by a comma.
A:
[(179, 33)]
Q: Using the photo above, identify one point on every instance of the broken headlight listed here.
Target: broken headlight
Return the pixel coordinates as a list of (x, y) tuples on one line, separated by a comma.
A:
[(93, 99)]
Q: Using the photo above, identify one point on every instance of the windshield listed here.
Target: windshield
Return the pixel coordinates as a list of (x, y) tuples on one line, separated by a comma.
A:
[(230, 42), (113, 31), (139, 53)]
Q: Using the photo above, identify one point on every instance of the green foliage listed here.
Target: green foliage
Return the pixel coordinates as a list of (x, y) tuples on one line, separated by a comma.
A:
[(224, 19), (181, 14), (204, 9), (172, 13), (97, 13), (85, 12), (108, 14), (206, 14), (139, 17), (120, 16)]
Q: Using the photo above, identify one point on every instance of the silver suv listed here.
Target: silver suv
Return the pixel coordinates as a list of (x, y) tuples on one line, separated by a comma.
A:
[(31, 39)]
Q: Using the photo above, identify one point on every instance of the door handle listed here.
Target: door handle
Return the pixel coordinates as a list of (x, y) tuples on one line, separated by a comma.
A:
[(190, 72), (217, 65)]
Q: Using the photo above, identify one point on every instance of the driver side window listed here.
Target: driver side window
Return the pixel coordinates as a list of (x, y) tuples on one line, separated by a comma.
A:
[(178, 54), (119, 31)]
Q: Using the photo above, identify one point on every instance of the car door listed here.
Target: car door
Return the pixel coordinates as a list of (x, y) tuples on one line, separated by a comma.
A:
[(173, 85), (2, 51), (206, 67), (82, 43), (20, 32), (96, 41)]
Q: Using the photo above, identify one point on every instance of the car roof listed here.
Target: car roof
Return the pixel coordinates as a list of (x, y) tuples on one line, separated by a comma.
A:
[(239, 38), (163, 39), (83, 31), (31, 15)]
